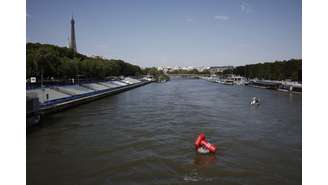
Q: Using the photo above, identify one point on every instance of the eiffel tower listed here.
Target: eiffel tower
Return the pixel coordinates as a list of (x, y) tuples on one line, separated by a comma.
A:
[(72, 41)]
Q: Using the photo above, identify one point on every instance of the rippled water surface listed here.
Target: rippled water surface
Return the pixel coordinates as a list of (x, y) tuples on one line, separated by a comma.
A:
[(146, 135)]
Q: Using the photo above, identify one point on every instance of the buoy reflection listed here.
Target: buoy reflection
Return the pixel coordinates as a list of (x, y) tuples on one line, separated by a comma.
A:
[(204, 160)]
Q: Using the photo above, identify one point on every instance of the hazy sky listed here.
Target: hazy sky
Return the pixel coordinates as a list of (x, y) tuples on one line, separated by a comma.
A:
[(173, 32)]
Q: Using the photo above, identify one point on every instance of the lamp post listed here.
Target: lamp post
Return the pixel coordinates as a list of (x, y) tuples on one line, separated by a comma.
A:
[(42, 87)]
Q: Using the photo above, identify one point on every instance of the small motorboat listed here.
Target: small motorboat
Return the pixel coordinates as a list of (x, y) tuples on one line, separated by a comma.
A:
[(255, 101), (228, 82)]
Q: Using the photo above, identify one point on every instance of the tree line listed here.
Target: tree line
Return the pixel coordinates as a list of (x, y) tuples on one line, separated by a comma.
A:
[(62, 63), (157, 74), (278, 70)]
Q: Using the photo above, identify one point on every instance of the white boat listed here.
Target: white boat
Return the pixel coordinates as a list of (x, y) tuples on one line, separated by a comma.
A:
[(255, 101), (238, 80), (235, 80), (228, 82)]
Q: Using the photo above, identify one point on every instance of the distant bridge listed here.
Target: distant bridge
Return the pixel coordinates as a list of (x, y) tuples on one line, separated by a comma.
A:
[(187, 75)]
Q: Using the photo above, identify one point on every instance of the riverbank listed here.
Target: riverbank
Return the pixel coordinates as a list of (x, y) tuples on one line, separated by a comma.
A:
[(284, 86), (48, 100)]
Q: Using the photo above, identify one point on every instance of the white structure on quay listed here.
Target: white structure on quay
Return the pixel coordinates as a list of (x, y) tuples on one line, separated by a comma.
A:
[(58, 92)]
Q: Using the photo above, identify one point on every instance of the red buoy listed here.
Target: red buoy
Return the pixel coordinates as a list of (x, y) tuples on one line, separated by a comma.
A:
[(209, 146), (201, 141)]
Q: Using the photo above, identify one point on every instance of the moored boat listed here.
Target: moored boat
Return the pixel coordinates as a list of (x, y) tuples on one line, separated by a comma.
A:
[(228, 82)]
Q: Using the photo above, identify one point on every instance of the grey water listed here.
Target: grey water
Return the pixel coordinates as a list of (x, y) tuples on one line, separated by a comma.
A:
[(146, 136)]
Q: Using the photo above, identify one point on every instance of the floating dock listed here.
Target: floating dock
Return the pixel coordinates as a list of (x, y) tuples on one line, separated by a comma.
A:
[(277, 85)]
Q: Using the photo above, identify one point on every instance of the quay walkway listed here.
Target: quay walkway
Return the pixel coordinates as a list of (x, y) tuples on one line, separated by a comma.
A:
[(58, 98)]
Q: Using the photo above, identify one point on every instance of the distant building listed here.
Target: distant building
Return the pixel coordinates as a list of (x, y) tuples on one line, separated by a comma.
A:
[(72, 41), (219, 69), (213, 69), (202, 68), (164, 69)]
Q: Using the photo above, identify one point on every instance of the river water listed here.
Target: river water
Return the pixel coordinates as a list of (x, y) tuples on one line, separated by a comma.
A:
[(146, 136)]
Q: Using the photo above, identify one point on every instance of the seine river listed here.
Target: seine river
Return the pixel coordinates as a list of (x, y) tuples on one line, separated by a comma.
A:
[(146, 136)]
